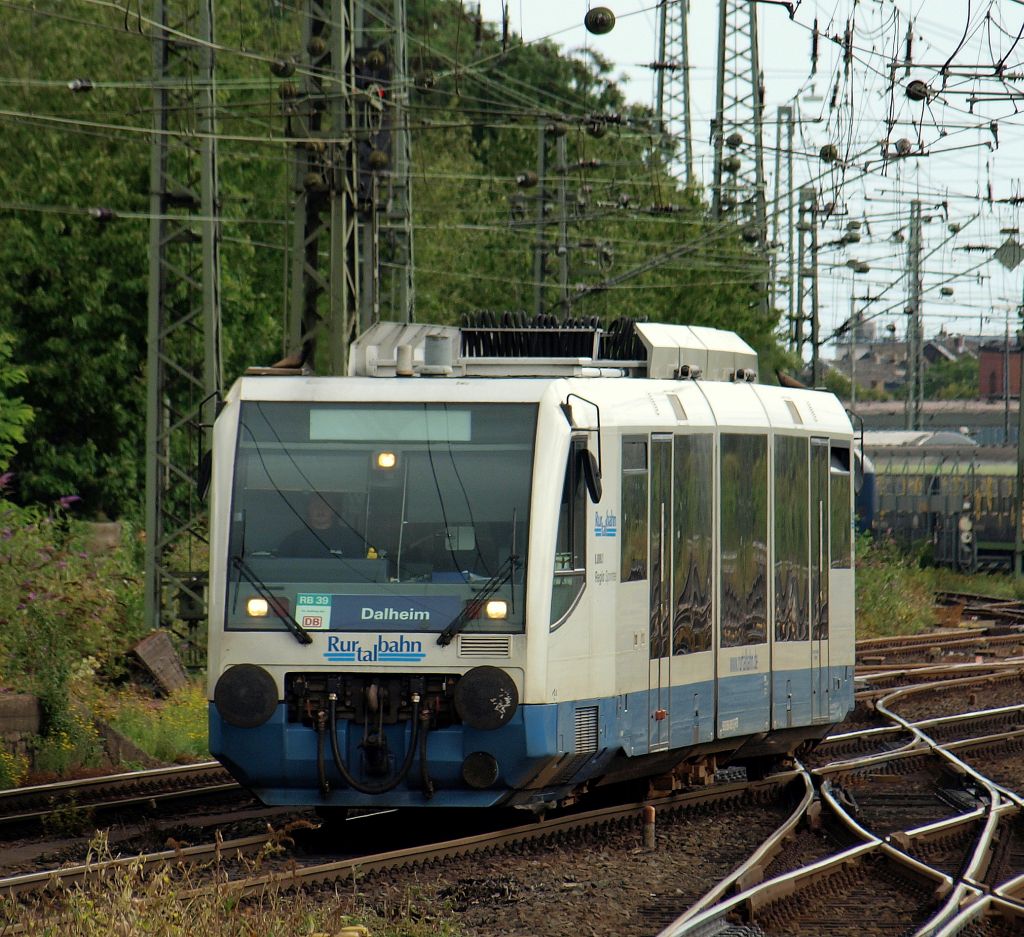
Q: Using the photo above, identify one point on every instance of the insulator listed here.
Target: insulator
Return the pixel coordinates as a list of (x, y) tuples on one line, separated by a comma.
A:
[(946, 290), (904, 146), (527, 180), (853, 226), (852, 237), (316, 46), (732, 164), (80, 85), (376, 60), (734, 141), (288, 89), (954, 227), (861, 267), (426, 81), (751, 234), (599, 20), (597, 128), (283, 67), (102, 215), (918, 90), (557, 129), (829, 153), (377, 160)]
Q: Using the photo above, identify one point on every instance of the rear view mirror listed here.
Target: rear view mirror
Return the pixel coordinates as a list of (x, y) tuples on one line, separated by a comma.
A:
[(591, 474)]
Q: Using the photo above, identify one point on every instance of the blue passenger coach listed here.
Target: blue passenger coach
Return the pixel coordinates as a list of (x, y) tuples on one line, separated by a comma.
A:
[(497, 566)]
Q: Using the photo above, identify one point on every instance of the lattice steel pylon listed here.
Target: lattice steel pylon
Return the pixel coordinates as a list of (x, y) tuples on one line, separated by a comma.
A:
[(184, 356), (738, 189), (398, 294), (324, 303), (352, 156), (672, 88)]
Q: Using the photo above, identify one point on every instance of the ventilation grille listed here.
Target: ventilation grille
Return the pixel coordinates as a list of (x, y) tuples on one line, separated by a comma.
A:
[(586, 729), (485, 645)]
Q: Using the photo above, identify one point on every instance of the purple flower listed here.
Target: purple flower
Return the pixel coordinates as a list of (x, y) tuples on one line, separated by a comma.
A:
[(67, 500), (5, 479), (6, 533)]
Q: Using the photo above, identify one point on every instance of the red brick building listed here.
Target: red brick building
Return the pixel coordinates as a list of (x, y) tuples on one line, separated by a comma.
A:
[(992, 360)]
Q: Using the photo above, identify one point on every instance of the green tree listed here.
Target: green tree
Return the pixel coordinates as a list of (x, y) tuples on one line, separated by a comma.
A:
[(15, 414), (952, 380)]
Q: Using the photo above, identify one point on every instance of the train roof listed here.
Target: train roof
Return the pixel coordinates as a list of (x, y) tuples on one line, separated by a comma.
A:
[(917, 439), (688, 374), (622, 403), (512, 346)]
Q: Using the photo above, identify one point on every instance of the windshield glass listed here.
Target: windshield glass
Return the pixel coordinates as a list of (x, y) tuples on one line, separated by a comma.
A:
[(380, 517)]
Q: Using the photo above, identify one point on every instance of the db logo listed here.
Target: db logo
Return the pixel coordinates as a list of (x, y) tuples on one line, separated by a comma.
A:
[(312, 621)]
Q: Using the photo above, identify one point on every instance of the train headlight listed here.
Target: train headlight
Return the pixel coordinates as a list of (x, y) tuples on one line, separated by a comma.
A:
[(245, 696), (257, 607), (486, 698), (496, 609), (386, 460)]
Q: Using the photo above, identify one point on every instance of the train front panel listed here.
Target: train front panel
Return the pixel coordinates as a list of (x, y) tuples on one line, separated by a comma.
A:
[(375, 571)]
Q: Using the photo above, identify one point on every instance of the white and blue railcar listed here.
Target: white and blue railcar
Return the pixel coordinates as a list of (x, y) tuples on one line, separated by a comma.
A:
[(552, 559)]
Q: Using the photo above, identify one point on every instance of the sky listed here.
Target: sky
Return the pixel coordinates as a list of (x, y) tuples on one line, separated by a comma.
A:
[(959, 158)]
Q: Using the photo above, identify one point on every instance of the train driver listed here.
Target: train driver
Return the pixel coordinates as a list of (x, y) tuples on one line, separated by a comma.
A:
[(324, 531)]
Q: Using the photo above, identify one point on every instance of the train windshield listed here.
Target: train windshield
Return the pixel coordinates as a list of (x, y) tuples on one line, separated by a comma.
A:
[(380, 517)]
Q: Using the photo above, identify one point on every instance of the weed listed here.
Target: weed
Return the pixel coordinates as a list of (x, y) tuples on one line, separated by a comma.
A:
[(170, 730), (894, 594), (13, 769)]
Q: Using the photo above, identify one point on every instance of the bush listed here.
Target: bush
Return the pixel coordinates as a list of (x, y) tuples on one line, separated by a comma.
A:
[(60, 606), (894, 594), (169, 730)]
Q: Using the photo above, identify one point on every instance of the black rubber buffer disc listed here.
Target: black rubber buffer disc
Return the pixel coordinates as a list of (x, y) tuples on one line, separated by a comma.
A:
[(245, 696), (480, 770), (486, 698)]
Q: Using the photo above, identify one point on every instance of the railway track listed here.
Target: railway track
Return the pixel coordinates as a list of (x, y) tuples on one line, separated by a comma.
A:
[(944, 842), (149, 789), (920, 822), (473, 869)]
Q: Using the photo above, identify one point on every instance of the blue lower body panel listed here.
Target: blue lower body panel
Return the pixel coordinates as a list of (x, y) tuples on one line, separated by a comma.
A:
[(537, 752), (277, 761)]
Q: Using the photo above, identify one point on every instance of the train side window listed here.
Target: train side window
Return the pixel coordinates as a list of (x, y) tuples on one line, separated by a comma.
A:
[(839, 500), (744, 540), (570, 574), (792, 538), (692, 513), (633, 564)]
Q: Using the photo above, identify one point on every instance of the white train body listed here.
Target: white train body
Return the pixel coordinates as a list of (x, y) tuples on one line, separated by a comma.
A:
[(497, 636)]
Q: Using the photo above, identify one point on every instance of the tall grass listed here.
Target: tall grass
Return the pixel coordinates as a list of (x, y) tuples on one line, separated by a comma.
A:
[(169, 730), (179, 901), (894, 594)]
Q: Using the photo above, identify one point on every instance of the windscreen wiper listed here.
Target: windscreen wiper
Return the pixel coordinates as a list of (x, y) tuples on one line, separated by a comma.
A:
[(301, 635), (503, 575)]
